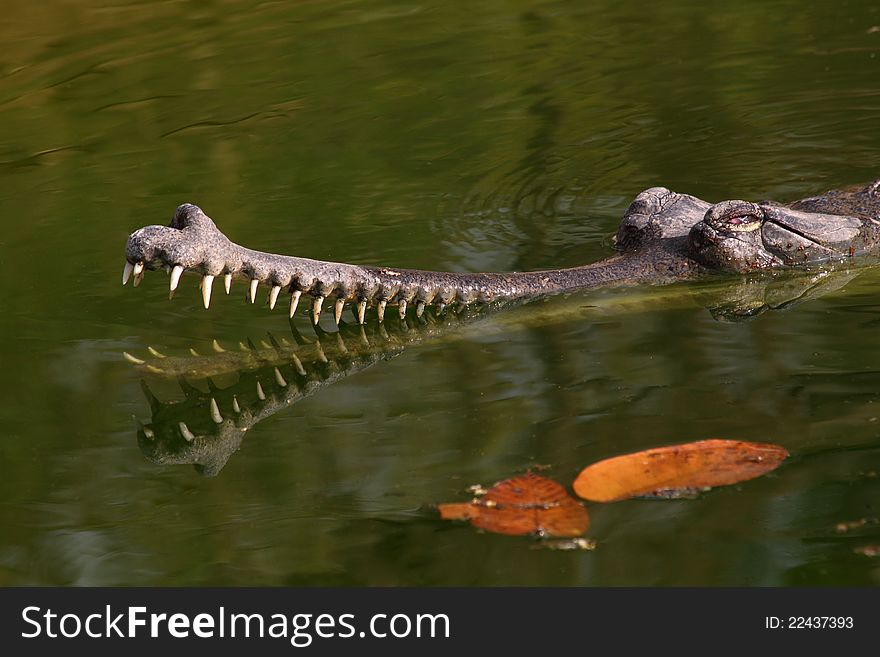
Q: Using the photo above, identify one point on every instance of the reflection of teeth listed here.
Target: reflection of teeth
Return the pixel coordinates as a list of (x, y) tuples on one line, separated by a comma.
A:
[(260, 393), (148, 432), (131, 359), (227, 282), (185, 432), (280, 379), (294, 301), (126, 272), (273, 296), (215, 412), (441, 307), (252, 292)]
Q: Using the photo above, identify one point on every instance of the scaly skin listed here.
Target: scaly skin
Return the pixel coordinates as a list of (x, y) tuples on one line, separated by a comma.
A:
[(664, 237)]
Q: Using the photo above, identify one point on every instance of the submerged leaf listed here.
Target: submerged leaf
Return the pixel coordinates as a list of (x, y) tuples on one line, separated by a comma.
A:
[(529, 504), (664, 471)]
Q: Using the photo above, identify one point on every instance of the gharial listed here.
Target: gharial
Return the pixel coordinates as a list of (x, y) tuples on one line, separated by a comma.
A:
[(663, 237)]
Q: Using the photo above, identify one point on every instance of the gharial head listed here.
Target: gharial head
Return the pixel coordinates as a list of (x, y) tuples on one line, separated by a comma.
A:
[(191, 240), (739, 236)]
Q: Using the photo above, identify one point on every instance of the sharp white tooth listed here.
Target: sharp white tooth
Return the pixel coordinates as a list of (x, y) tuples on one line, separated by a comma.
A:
[(316, 309), (260, 393), (402, 308), (362, 310), (185, 432), (156, 353), (126, 272), (137, 279), (337, 310), (207, 282), (280, 379), (242, 346), (131, 359), (194, 352), (252, 292), (265, 345), (420, 308), (215, 412), (273, 296), (216, 346), (175, 277), (380, 309), (294, 301), (297, 363), (227, 282), (138, 268), (235, 406)]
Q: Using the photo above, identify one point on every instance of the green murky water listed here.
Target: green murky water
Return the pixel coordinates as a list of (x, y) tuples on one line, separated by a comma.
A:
[(469, 137)]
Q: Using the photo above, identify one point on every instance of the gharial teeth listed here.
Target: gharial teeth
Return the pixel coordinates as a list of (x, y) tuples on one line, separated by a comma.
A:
[(402, 307), (294, 301), (227, 282), (235, 406), (273, 296), (138, 268), (380, 309), (216, 346), (137, 279), (280, 379), (420, 308), (215, 412), (260, 393), (252, 292), (156, 353), (316, 309), (207, 282), (185, 432), (337, 310), (175, 277), (362, 310), (297, 363), (126, 272)]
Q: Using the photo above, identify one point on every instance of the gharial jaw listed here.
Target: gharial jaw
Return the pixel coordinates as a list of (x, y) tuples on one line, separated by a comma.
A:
[(192, 242)]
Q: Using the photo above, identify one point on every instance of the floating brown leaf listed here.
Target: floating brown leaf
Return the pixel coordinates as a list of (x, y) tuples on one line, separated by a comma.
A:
[(529, 504), (697, 465)]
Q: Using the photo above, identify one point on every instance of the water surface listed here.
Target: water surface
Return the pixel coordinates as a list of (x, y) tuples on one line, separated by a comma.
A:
[(439, 136)]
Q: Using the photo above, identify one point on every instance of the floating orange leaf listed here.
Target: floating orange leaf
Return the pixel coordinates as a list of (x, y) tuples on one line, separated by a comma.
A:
[(529, 504), (691, 466)]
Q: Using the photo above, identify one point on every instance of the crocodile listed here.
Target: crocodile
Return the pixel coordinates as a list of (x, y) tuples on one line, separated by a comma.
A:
[(663, 237)]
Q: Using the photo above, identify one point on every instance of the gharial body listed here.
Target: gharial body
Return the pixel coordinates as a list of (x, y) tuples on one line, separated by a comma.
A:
[(663, 237)]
